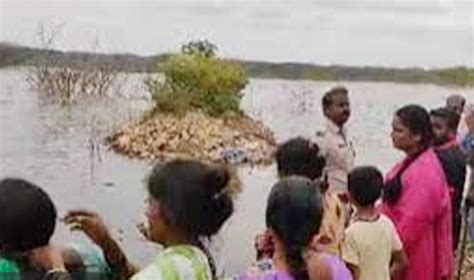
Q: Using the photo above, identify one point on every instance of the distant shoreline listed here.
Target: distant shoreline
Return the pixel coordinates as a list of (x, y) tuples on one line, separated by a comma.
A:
[(17, 55)]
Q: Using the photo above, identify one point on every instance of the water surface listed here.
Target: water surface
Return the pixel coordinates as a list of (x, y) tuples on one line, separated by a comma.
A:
[(62, 149)]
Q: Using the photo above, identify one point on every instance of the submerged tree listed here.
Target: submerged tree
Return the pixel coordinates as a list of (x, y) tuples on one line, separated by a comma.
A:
[(59, 78)]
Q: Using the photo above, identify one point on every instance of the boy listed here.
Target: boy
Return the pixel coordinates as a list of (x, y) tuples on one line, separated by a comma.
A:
[(371, 247)]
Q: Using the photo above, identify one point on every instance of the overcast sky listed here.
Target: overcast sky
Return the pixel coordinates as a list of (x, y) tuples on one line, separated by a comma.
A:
[(426, 33)]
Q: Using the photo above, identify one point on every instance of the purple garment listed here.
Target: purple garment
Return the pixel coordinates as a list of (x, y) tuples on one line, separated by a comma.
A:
[(264, 270), (268, 275), (339, 270)]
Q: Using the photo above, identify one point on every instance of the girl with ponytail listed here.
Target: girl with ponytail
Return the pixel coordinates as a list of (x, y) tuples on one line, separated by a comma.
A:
[(188, 202), (293, 217)]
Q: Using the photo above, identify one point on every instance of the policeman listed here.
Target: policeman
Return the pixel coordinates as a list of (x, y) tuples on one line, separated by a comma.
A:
[(335, 143)]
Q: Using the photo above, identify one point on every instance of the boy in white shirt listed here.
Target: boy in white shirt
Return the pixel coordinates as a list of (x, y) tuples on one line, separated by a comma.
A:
[(372, 248)]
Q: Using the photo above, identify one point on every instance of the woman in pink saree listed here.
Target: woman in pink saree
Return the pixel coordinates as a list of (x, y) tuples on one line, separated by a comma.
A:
[(416, 198)]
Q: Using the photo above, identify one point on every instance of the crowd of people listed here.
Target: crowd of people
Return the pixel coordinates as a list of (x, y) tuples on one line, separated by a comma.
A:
[(325, 217)]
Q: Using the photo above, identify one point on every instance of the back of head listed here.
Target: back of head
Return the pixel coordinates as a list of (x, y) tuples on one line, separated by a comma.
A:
[(417, 120), (365, 185), (27, 216), (294, 213), (456, 103), (194, 197), (450, 116), (299, 156)]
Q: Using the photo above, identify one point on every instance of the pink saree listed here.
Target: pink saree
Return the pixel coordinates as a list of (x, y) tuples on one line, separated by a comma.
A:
[(422, 216)]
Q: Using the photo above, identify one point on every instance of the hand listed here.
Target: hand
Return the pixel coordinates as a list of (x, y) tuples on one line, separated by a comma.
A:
[(144, 230), (264, 245), (344, 197), (90, 223), (47, 258), (320, 243)]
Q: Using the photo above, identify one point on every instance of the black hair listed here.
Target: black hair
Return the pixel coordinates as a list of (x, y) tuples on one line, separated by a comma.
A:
[(455, 98), (27, 216), (418, 121), (299, 156), (294, 212), (328, 96), (365, 185), (449, 115), (192, 195)]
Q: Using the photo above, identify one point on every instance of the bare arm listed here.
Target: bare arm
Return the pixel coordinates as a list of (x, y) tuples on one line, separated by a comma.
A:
[(49, 259), (354, 271), (470, 124), (117, 259), (471, 157), (470, 185), (399, 263)]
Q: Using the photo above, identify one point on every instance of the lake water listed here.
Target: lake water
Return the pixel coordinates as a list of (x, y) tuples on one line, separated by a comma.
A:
[(62, 149)]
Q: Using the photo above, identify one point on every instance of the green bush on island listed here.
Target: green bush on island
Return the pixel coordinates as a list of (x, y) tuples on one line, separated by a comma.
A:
[(197, 79)]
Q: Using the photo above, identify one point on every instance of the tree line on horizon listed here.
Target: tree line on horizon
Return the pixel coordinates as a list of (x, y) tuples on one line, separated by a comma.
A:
[(16, 55)]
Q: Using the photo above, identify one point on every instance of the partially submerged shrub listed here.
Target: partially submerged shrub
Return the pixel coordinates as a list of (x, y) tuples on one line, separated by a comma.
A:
[(197, 79), (60, 80), (65, 84)]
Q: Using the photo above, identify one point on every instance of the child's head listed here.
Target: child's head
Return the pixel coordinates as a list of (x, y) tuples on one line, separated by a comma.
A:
[(293, 216), (27, 216), (299, 156), (188, 198), (365, 185)]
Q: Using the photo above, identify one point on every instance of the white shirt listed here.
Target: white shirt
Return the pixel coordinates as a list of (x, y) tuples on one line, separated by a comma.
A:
[(337, 148), (370, 245)]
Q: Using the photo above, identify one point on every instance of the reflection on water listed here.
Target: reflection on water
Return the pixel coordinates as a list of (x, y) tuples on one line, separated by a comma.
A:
[(62, 149)]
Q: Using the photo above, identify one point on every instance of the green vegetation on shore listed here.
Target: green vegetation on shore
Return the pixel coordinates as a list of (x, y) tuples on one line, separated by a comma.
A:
[(15, 55)]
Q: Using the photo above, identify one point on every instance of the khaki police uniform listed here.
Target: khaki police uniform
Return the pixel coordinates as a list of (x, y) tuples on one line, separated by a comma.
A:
[(337, 148)]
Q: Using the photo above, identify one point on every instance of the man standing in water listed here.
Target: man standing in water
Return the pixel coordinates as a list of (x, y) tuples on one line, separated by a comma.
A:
[(336, 146)]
